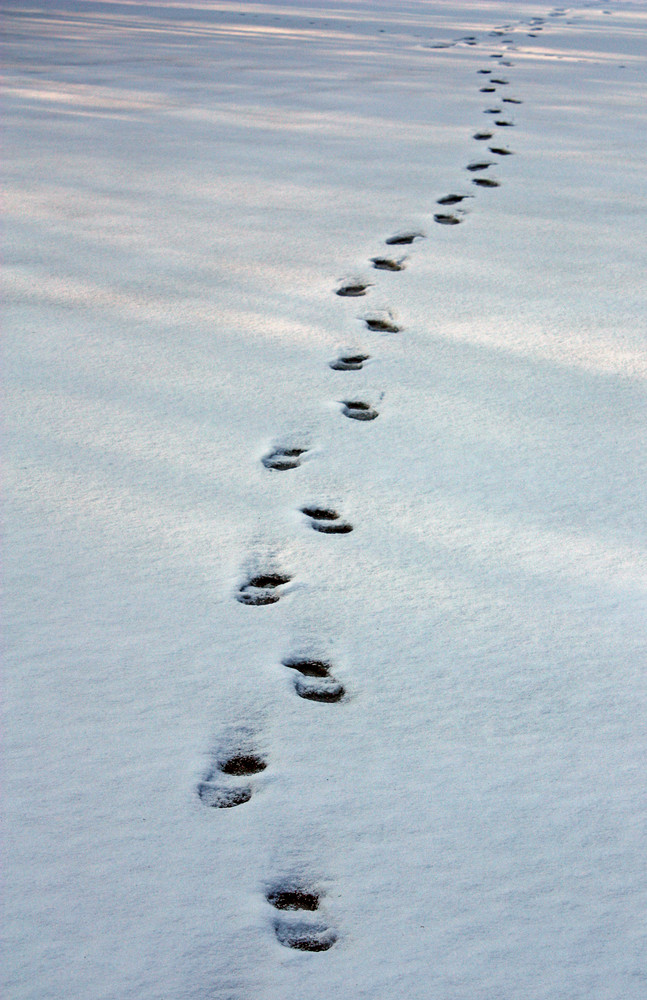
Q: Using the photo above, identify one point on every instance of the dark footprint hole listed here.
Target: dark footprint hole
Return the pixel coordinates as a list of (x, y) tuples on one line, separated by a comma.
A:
[(482, 135), (241, 764), (223, 798), (501, 83), (452, 199), (486, 182), (386, 264), (484, 71), (480, 165), (332, 528), (511, 100), (505, 124), (492, 111), (380, 325), (309, 668), (500, 151), (446, 220), (487, 90), (403, 239), (293, 899), (352, 291), (320, 513), (268, 580), (350, 363), (358, 410)]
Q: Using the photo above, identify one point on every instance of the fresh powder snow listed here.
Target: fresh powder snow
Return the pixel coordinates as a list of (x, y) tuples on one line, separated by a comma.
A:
[(325, 547)]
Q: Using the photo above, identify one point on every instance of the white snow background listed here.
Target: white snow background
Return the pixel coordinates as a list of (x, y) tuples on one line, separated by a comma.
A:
[(187, 184)]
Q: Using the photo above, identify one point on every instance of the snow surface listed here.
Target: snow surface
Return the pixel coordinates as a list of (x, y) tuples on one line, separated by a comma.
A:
[(187, 184)]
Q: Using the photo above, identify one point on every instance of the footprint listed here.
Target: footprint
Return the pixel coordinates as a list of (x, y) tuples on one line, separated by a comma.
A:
[(222, 798), (349, 362), (315, 682), (404, 239), (388, 264), (484, 71), (504, 124), (486, 182), (479, 165), (281, 458), (502, 83), (303, 936), (487, 90), (452, 199), (482, 135), (511, 100), (327, 521), (358, 410), (507, 63), (243, 764), (446, 220), (216, 795), (293, 931), (353, 290), (293, 899), (500, 150), (262, 589), (381, 323), (492, 111)]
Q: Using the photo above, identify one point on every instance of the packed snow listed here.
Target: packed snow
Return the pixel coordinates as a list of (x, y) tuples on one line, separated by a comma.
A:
[(401, 755)]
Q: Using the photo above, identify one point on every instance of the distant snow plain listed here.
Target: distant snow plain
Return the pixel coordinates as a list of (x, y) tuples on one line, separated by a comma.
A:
[(187, 186)]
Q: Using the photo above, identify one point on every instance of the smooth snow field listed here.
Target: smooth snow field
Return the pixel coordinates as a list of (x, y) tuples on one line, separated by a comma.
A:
[(325, 683)]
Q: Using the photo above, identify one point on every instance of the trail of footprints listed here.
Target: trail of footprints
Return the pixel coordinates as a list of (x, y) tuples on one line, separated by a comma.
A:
[(296, 916)]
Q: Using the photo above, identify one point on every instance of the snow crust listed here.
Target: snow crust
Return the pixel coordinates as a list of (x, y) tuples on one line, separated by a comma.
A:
[(187, 185)]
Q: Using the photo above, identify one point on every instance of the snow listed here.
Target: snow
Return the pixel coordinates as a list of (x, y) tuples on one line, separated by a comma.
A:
[(187, 184)]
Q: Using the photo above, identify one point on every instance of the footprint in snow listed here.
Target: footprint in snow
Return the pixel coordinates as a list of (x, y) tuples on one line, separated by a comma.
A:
[(292, 930), (446, 219), (492, 111), (349, 362), (501, 83), (326, 520), (381, 323), (500, 150), (262, 589), (504, 124), (213, 791), (404, 239), (483, 135), (479, 165), (358, 410), (452, 199), (487, 90), (282, 458), (315, 681), (511, 100), (353, 290), (388, 264), (484, 71), (486, 182)]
